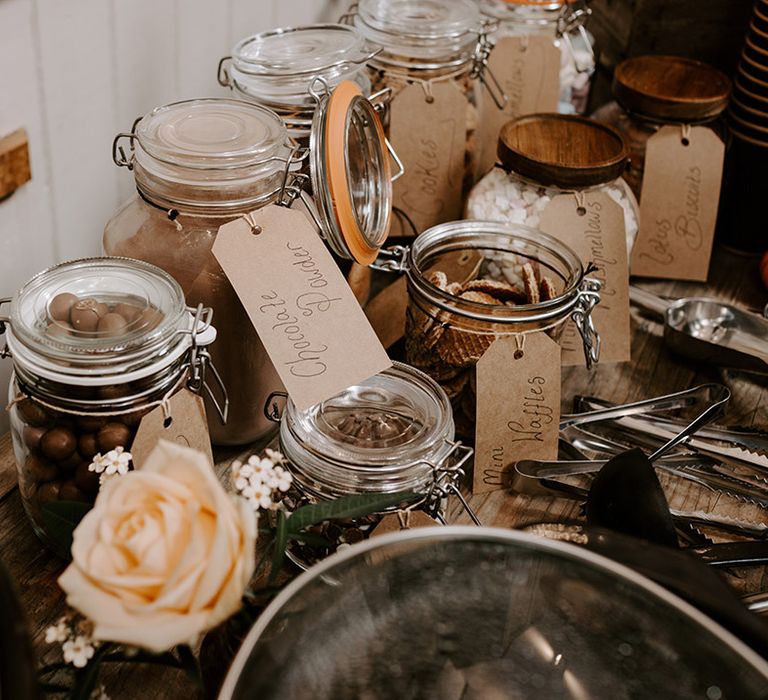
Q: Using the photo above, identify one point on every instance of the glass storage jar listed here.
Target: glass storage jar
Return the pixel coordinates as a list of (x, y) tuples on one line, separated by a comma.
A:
[(276, 69), (533, 168), (201, 163), (564, 21), (96, 344), (431, 64), (392, 433), (655, 91), (524, 280)]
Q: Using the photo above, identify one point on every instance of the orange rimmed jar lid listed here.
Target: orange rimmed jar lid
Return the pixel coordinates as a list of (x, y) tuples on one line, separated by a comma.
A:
[(351, 173)]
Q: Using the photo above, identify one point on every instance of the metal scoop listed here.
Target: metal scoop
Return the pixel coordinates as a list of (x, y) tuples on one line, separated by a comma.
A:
[(707, 330)]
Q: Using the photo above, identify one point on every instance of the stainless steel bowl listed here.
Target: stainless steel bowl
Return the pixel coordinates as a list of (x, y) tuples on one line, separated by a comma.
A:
[(460, 612)]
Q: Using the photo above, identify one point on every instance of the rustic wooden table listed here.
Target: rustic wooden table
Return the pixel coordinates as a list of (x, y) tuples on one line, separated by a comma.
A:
[(652, 371)]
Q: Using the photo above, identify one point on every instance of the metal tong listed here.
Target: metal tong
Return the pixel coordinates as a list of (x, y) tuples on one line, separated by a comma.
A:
[(742, 449)]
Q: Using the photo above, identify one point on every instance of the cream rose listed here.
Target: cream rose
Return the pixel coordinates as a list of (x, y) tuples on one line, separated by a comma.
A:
[(164, 555)]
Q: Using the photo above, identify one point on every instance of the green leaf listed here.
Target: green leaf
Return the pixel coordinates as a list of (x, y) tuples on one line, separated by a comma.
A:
[(345, 508), (278, 553), (61, 518)]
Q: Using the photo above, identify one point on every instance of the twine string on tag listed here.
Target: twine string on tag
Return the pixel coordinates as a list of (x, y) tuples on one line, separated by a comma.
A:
[(519, 344), (581, 202), (686, 134), (173, 216), (426, 85), (404, 519), (255, 228)]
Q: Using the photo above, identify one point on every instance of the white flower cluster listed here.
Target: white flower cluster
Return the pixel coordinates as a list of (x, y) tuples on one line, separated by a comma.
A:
[(261, 480), (114, 463), (77, 645), (502, 196)]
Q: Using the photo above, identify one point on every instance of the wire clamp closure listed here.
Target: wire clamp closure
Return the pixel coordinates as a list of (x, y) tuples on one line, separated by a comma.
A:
[(589, 297), (200, 362), (446, 478), (392, 259)]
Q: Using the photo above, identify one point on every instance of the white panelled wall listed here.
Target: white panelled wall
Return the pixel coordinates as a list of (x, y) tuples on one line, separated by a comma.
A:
[(77, 72)]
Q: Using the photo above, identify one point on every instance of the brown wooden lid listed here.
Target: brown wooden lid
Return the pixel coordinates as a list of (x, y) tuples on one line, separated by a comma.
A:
[(562, 150), (671, 88)]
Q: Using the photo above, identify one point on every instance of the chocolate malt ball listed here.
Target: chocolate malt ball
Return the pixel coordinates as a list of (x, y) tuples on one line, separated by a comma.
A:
[(87, 445), (149, 319), (49, 492), (61, 306), (68, 465), (86, 313), (129, 312), (114, 435), (32, 413), (86, 480), (39, 469), (111, 325), (69, 491), (59, 329), (32, 436), (58, 444)]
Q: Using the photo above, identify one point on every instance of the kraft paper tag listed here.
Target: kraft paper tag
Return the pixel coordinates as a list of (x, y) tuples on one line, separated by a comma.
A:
[(186, 425), (518, 406), (678, 203), (430, 137), (598, 236), (528, 69), (312, 327)]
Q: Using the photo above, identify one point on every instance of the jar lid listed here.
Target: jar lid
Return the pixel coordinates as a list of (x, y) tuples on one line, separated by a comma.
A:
[(351, 174), (303, 52), (562, 150), (420, 28), (212, 134), (380, 435), (98, 317), (671, 88)]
